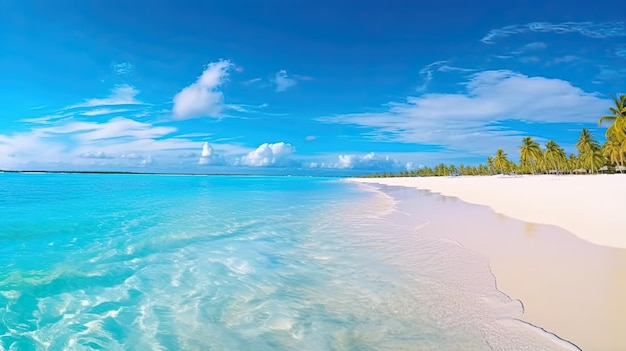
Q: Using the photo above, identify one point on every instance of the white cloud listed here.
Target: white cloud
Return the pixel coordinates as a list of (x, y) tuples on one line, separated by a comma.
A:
[(608, 74), (427, 74), (146, 161), (123, 68), (310, 138), (370, 161), (118, 141), (252, 81), (103, 111), (96, 154), (202, 98), (565, 59), (428, 71), (49, 119), (588, 29), (209, 156), (277, 154), (469, 121), (132, 156), (120, 95), (534, 46), (118, 127), (283, 81)]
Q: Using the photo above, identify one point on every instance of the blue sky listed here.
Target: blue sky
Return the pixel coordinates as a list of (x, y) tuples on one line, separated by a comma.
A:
[(302, 86)]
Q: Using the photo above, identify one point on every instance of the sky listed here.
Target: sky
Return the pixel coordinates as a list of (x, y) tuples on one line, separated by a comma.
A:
[(302, 87)]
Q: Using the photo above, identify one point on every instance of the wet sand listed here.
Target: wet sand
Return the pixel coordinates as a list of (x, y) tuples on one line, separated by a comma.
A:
[(568, 286)]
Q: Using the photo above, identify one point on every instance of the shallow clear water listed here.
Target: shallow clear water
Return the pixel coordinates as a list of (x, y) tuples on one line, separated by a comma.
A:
[(129, 262)]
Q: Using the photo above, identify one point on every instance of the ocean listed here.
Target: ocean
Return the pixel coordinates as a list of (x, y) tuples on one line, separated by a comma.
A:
[(163, 262)]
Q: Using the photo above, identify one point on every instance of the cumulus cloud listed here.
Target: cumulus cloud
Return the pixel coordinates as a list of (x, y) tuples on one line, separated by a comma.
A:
[(123, 94), (370, 161), (277, 154), (283, 81), (469, 121), (209, 156), (203, 98), (588, 29)]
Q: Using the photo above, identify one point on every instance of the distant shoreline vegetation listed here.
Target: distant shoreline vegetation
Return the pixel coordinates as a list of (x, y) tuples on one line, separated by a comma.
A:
[(591, 157)]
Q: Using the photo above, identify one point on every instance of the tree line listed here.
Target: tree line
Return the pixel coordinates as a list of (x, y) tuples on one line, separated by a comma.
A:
[(591, 157)]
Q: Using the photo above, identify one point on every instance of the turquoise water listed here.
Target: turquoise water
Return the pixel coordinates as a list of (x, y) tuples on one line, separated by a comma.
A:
[(148, 262)]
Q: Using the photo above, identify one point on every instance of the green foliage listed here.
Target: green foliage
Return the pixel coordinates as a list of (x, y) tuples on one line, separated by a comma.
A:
[(591, 157)]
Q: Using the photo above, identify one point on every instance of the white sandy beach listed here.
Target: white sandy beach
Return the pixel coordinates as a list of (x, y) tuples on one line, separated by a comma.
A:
[(589, 206), (570, 273)]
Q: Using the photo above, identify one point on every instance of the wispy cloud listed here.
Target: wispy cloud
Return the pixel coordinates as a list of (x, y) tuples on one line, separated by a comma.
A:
[(608, 74), (203, 98), (96, 154), (588, 29), (530, 47), (252, 81), (427, 72), (621, 51), (123, 68), (120, 95), (119, 141), (565, 59), (466, 121), (283, 81), (49, 119), (103, 111)]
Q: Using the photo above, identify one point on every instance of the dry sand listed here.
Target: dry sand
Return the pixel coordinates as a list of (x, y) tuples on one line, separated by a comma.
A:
[(540, 246), (590, 206)]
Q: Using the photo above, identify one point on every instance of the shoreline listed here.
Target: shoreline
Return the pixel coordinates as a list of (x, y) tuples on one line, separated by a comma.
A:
[(589, 206), (568, 286)]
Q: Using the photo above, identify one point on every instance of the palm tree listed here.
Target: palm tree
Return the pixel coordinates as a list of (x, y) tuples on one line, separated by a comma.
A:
[(530, 152), (586, 143), (617, 118), (500, 162), (614, 150), (596, 160), (574, 162), (587, 146), (490, 165), (554, 154)]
